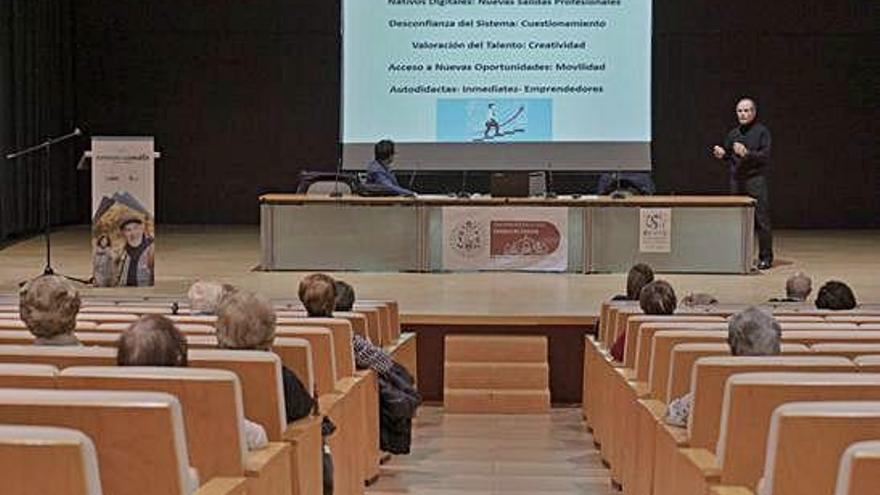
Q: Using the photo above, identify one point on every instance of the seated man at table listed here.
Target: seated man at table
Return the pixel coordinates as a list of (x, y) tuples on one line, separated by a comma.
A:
[(379, 174)]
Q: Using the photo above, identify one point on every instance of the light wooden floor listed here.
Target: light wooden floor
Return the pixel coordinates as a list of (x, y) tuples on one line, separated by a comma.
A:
[(496, 454), (230, 254)]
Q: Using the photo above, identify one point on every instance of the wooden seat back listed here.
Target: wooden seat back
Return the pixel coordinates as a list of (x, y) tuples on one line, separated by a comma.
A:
[(185, 328), (296, 354), (813, 337), (393, 314), (139, 436), (374, 325), (44, 459), (209, 320), (853, 318), (259, 373), (358, 322), (645, 343), (710, 375), (859, 470), (656, 369), (869, 363), (211, 401), (16, 324), (98, 318), (685, 355), (27, 375), (655, 323), (799, 427), (323, 355), (750, 400), (58, 356), (850, 351), (341, 332), (386, 333)]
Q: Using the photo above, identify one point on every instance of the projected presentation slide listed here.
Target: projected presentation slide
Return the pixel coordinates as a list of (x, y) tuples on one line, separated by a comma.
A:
[(498, 84)]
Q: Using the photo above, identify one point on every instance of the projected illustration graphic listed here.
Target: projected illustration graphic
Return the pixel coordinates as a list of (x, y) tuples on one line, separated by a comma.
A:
[(494, 120)]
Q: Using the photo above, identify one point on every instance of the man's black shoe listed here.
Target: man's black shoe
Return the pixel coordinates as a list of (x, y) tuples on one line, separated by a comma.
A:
[(764, 264)]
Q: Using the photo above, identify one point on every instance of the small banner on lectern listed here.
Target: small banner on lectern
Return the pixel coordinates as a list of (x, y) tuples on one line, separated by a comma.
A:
[(655, 230), (123, 215), (515, 238)]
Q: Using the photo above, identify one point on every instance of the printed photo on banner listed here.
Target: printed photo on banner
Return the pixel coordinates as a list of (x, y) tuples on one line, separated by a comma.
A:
[(123, 234)]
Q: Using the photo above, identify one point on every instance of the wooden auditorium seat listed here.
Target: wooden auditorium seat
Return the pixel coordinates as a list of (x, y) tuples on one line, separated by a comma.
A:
[(824, 430), (869, 363), (259, 373), (341, 332), (139, 436), (850, 351), (27, 375), (859, 471), (386, 332), (748, 406), (374, 326), (50, 460), (59, 356), (213, 419)]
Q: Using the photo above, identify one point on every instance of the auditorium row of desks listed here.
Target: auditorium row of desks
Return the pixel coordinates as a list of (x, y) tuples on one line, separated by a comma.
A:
[(709, 234)]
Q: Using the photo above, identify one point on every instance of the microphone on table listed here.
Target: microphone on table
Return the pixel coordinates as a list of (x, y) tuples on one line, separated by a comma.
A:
[(336, 193)]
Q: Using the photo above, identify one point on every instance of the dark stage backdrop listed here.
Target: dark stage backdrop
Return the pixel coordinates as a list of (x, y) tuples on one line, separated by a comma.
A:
[(241, 96)]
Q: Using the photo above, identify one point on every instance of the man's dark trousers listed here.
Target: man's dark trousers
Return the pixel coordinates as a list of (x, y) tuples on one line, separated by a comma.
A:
[(757, 187)]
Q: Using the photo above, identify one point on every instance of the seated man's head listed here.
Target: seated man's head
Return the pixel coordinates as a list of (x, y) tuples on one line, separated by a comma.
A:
[(639, 276), (657, 298), (798, 287), (152, 340), (204, 297), (835, 295), (753, 332), (317, 292), (383, 151), (48, 305), (344, 296), (245, 321), (132, 229)]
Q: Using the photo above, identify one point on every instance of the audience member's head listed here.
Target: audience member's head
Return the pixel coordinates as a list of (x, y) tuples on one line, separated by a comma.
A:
[(152, 340), (383, 151), (245, 321), (698, 299), (204, 297), (835, 295), (658, 298), (344, 296), (639, 276), (317, 292), (48, 305), (753, 332), (798, 287)]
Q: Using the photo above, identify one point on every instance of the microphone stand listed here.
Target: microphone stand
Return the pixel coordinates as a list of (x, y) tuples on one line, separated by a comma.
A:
[(336, 192), (463, 193), (549, 192), (47, 192), (619, 192)]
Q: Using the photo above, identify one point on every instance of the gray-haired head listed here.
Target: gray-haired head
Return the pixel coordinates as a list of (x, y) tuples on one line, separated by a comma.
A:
[(48, 306), (753, 332), (798, 287)]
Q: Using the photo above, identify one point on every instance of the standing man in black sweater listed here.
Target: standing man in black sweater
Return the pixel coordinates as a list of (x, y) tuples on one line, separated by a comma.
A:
[(746, 150)]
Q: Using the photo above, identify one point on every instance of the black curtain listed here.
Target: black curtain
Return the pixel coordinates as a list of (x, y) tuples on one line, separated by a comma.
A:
[(37, 101)]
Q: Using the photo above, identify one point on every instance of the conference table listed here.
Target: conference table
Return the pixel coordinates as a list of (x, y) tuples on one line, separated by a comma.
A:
[(574, 234)]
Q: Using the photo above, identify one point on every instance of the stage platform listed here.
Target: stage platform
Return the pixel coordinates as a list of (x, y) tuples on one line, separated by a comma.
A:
[(562, 306), (232, 254)]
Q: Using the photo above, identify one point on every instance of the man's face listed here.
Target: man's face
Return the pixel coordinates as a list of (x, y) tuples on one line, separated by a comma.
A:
[(745, 112), (133, 233)]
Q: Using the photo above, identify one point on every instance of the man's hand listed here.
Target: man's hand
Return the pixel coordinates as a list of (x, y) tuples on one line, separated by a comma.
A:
[(740, 150), (719, 152)]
